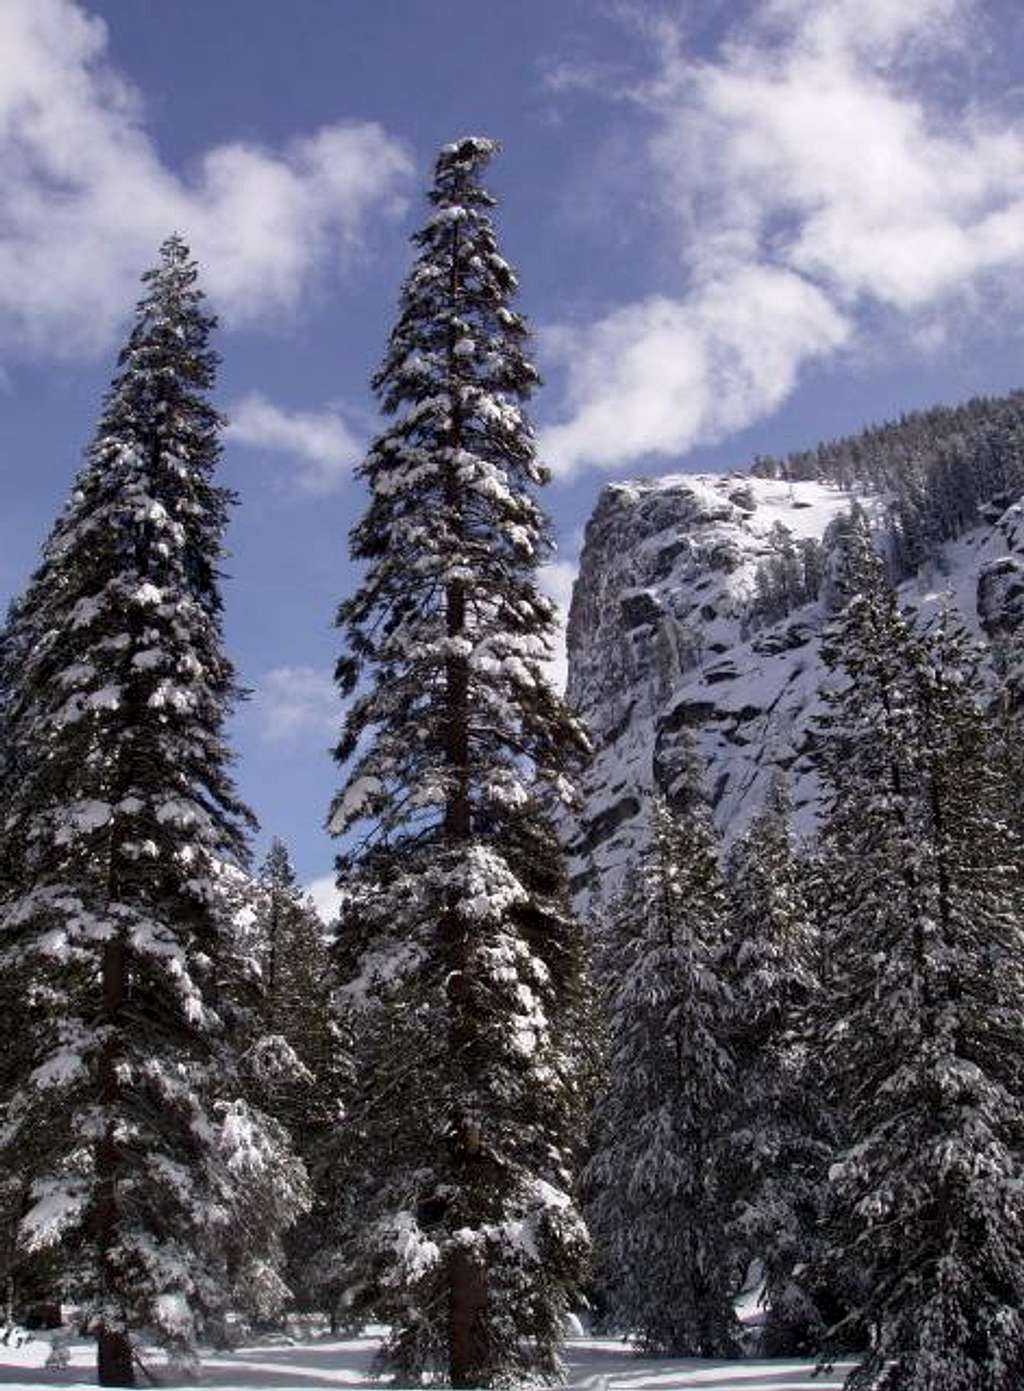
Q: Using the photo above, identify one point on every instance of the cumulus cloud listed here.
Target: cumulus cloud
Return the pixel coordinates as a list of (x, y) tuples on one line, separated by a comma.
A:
[(809, 173), (293, 701), (87, 198), (321, 441), (659, 376)]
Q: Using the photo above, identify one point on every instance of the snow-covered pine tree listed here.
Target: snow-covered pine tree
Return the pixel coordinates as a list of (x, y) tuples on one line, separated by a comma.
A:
[(840, 545), (471, 1245), (17, 1267), (925, 1041), (16, 639), (781, 1137), (659, 1208), (299, 1068), (119, 816), (1007, 716)]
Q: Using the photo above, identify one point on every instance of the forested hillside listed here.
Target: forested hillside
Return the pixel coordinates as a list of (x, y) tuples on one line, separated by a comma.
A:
[(938, 470)]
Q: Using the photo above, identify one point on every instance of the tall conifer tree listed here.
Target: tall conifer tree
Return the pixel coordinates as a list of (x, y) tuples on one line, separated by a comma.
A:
[(118, 819), (659, 1174), (781, 1137), (299, 1067), (923, 1032), (471, 1245)]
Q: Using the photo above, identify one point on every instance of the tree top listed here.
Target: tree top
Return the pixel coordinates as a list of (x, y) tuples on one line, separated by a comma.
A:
[(458, 166)]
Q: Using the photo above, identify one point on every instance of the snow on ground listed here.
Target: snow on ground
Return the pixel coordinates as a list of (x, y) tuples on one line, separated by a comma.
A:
[(594, 1364)]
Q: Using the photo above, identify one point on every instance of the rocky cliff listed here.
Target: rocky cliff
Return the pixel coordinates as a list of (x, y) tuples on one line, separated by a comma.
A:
[(668, 632)]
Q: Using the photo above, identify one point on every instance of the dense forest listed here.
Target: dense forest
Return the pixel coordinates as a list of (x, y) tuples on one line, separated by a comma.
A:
[(931, 475)]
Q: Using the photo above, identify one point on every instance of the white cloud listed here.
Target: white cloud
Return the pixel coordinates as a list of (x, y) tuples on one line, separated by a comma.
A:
[(321, 440), (87, 198), (658, 376), (555, 579), (326, 899), (809, 174), (293, 701)]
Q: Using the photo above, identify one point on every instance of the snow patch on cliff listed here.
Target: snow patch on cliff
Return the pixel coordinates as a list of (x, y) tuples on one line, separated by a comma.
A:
[(665, 642)]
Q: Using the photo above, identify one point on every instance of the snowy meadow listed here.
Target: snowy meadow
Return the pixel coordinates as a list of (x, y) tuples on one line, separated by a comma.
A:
[(592, 1364)]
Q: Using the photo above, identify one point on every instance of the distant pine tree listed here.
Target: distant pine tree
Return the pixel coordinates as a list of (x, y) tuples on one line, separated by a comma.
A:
[(299, 1066), (119, 817), (659, 1207), (781, 1136), (935, 472), (923, 1036), (289, 944), (463, 962)]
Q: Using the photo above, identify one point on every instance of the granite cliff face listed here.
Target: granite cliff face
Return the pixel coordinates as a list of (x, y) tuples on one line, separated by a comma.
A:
[(667, 633)]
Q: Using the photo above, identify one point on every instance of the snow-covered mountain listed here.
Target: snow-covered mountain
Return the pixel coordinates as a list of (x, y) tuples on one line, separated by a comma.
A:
[(667, 633)]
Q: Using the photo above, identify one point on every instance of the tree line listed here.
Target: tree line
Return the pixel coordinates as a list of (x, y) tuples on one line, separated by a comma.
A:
[(936, 473), (447, 1117)]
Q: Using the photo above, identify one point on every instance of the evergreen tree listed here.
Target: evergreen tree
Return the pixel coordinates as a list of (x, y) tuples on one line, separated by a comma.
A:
[(791, 575), (17, 1267), (13, 644), (925, 1041), (781, 1127), (298, 1063), (1007, 729), (289, 946), (118, 819), (842, 538), (658, 1173), (463, 962)]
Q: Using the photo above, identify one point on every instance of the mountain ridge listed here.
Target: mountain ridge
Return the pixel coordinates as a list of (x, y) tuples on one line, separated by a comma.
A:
[(675, 626)]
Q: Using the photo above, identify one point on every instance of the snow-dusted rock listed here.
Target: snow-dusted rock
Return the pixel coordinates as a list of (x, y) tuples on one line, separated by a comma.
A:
[(664, 637)]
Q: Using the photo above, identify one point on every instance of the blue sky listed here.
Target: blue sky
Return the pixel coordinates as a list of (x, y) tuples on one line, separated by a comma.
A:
[(739, 228)]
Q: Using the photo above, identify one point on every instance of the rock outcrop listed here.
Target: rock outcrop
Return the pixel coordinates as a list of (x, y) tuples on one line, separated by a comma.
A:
[(668, 634)]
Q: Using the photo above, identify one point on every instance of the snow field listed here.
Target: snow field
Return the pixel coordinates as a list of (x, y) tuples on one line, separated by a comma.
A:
[(593, 1364)]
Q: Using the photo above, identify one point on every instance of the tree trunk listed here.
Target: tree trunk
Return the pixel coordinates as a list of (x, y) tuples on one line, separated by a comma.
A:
[(115, 1365), (468, 1359)]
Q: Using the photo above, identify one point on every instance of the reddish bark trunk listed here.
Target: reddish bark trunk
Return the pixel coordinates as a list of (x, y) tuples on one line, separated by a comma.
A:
[(467, 1283), (115, 1365)]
